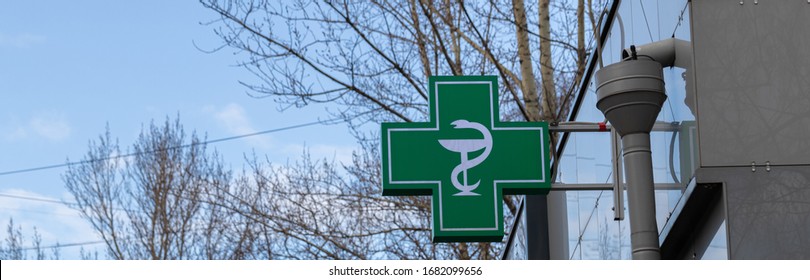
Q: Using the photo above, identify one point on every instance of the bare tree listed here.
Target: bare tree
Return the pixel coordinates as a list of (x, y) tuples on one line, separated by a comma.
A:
[(370, 60), (311, 209), (14, 248), (149, 204)]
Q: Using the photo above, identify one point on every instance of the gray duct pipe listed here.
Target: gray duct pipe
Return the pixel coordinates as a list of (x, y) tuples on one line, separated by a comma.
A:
[(641, 196), (669, 52), (630, 94)]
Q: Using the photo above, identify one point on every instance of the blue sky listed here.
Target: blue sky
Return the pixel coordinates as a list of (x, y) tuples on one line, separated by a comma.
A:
[(69, 68)]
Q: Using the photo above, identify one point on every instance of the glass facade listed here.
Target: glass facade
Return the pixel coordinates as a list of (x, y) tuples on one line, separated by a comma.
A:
[(718, 246), (592, 231), (517, 246)]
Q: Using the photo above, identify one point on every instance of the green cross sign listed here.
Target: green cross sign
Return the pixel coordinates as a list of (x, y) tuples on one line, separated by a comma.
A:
[(465, 158)]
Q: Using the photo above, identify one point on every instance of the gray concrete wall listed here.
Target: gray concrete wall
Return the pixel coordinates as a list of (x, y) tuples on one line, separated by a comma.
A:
[(752, 92), (768, 212), (752, 80)]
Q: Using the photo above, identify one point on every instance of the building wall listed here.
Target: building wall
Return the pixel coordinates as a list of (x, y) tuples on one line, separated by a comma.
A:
[(767, 212), (751, 69), (752, 63)]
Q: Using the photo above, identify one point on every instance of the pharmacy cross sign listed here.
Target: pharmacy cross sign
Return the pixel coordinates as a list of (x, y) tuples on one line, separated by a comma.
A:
[(465, 158)]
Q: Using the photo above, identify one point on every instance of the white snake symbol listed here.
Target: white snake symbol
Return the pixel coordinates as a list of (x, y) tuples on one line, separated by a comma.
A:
[(465, 146)]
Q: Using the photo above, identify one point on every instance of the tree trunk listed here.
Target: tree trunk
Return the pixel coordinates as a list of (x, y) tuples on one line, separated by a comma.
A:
[(455, 39), (420, 40), (528, 84), (580, 42), (549, 104)]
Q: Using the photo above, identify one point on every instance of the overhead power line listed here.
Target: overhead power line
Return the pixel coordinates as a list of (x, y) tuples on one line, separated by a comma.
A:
[(36, 199), (56, 246), (170, 148)]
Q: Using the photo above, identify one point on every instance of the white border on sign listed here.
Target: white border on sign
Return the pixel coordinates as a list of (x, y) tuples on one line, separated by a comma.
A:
[(495, 182)]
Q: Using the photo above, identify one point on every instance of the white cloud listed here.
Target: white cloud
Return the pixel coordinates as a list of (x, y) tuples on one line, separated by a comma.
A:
[(234, 119), (54, 128), (21, 41), (50, 126), (54, 221)]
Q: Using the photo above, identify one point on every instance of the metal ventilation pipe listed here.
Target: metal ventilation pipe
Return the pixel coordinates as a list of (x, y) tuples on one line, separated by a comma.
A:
[(630, 94)]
